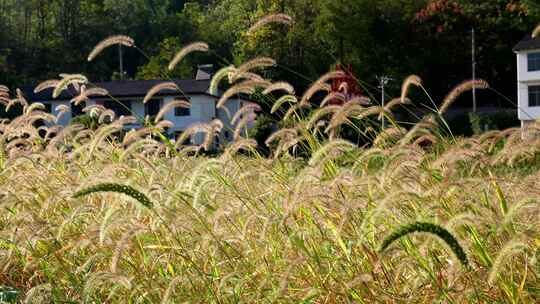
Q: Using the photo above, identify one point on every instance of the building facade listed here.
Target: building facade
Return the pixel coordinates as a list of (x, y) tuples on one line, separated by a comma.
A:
[(528, 74), (127, 99)]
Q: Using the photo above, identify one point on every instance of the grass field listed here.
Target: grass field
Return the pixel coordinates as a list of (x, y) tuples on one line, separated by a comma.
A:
[(303, 225)]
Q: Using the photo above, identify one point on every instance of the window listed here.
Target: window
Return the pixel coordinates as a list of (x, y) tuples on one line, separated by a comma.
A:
[(151, 108), (534, 96), (77, 110), (533, 61), (120, 107), (181, 111), (177, 134)]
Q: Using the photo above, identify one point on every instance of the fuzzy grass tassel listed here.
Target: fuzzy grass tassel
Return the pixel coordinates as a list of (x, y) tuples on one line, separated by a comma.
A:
[(432, 229), (112, 187)]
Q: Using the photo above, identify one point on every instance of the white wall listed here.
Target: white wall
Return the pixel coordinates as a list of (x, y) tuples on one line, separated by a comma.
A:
[(232, 105), (523, 74), (524, 111), (526, 79), (202, 110), (66, 117)]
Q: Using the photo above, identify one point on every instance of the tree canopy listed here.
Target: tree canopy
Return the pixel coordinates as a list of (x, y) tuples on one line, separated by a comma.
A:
[(41, 38)]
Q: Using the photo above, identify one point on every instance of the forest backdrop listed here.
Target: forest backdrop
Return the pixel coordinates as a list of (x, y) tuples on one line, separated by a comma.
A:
[(41, 38)]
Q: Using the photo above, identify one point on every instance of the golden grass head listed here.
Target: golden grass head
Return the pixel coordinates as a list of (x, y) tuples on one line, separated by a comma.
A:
[(536, 31), (190, 48), (460, 89), (160, 87), (47, 84), (274, 18), (280, 86), (411, 80), (72, 79), (118, 39), (218, 77), (257, 63)]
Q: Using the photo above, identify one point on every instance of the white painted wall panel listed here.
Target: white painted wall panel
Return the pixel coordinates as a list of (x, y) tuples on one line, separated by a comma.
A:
[(526, 79), (523, 74)]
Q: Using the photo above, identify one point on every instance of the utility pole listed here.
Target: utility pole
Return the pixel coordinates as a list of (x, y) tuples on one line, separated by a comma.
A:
[(383, 81), (473, 68), (121, 62)]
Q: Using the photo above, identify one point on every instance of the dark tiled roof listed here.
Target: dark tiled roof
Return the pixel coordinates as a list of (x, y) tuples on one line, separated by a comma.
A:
[(528, 43), (125, 88)]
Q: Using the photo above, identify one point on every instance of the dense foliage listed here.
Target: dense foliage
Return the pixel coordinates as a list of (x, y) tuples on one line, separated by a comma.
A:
[(39, 39)]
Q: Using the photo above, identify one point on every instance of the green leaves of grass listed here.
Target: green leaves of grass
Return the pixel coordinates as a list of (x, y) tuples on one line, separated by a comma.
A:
[(118, 188), (434, 229)]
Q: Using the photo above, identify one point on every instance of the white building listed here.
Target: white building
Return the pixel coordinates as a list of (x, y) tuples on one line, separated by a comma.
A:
[(528, 73), (130, 93)]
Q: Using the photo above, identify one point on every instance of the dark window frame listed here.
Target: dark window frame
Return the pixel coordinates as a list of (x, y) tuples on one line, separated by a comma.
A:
[(48, 108), (182, 112), (534, 95), (533, 62), (148, 107), (118, 109)]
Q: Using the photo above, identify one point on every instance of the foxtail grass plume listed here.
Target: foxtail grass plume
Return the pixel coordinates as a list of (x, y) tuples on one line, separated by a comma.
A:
[(122, 244), (320, 114), (160, 87), (135, 135), (394, 102), (169, 106), (47, 84), (280, 86), (245, 110), (85, 94), (193, 47), (330, 149), (257, 63), (163, 125), (66, 81), (35, 106), (246, 87), (411, 80), (333, 96), (106, 116), (321, 85), (209, 130), (118, 39), (511, 248), (291, 99), (460, 89), (118, 188), (94, 110), (430, 228), (62, 108), (222, 73), (274, 18), (250, 76), (242, 123), (536, 31), (241, 144)]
